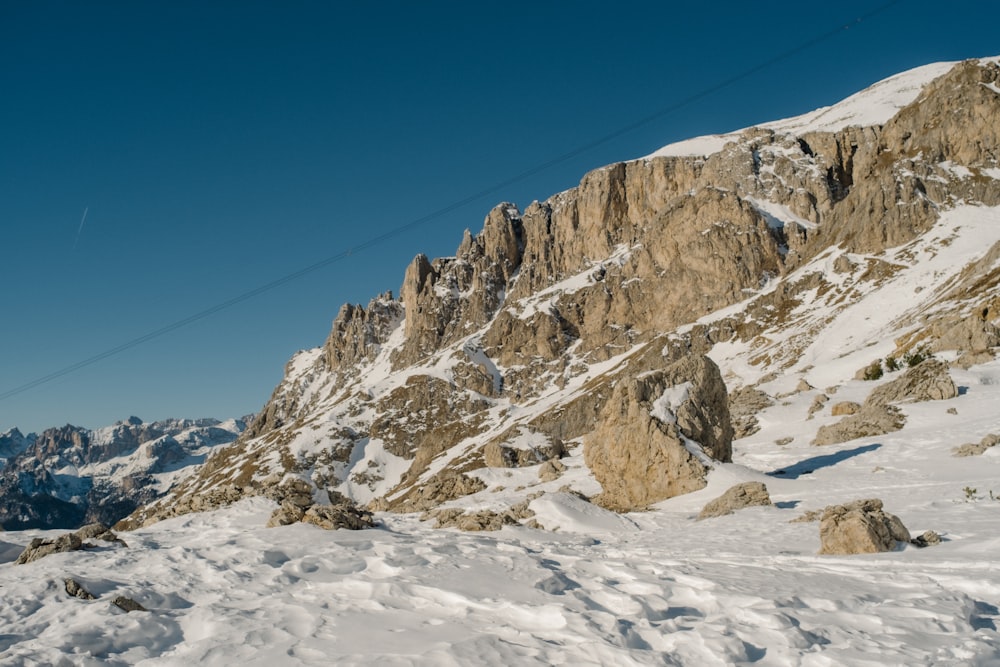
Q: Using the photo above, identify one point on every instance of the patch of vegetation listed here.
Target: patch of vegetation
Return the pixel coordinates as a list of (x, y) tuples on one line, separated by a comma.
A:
[(873, 371)]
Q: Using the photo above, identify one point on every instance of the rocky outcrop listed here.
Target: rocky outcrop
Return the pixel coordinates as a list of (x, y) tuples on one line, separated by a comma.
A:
[(747, 494), (977, 448), (658, 432), (744, 404), (860, 527), (926, 381), (39, 548)]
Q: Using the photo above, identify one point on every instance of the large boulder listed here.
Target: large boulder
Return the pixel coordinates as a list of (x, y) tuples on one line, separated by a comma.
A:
[(860, 527), (657, 432)]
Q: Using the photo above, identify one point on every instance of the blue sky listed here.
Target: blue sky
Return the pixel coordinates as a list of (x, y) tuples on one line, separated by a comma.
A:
[(218, 146)]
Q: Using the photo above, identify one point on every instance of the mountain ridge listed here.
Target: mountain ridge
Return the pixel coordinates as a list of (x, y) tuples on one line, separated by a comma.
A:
[(515, 344)]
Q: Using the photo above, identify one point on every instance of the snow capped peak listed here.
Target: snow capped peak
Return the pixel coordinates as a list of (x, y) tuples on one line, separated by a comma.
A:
[(874, 105)]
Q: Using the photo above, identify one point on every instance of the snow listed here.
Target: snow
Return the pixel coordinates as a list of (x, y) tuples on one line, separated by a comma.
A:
[(665, 407), (874, 105)]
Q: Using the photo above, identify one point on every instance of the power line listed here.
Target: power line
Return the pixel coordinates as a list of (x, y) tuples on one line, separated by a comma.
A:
[(465, 201)]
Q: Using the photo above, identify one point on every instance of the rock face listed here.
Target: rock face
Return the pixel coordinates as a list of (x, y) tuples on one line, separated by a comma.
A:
[(747, 494), (645, 448), (860, 527), (557, 324), (977, 448)]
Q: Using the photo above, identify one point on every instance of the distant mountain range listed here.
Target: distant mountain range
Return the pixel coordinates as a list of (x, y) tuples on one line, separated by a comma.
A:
[(67, 476)]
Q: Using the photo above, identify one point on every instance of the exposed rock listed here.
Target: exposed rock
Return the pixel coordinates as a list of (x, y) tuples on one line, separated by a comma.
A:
[(292, 491), (977, 448), (803, 386), (76, 590), (440, 488), (645, 449), (927, 381), (551, 470), (928, 539), (482, 520), (870, 421), (344, 515), (808, 516), (40, 548), (747, 494), (860, 527), (127, 604), (818, 402), (286, 515), (744, 404), (845, 408), (504, 456)]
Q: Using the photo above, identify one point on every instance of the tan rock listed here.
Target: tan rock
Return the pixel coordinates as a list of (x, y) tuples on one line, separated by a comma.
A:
[(640, 450), (845, 408), (747, 494), (860, 527)]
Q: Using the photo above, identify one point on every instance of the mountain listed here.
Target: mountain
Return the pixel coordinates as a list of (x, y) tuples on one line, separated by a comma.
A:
[(800, 250), (68, 476), (734, 402)]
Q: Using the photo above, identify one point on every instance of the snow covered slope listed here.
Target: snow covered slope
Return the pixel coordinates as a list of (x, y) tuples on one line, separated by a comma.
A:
[(812, 260)]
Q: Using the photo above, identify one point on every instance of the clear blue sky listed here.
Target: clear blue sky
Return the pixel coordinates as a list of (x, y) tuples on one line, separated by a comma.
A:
[(218, 146)]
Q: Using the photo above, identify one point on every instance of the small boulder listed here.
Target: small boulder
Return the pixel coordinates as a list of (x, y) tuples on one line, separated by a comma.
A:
[(127, 604), (860, 527), (928, 539), (550, 470), (747, 494), (75, 589), (845, 408)]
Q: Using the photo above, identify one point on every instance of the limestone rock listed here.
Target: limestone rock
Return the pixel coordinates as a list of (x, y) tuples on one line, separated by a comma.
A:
[(127, 604), (550, 470), (744, 404), (642, 450), (870, 421), (845, 408), (747, 494), (344, 515), (440, 488), (929, 538), (977, 448), (39, 548), (927, 381), (75, 589), (860, 527)]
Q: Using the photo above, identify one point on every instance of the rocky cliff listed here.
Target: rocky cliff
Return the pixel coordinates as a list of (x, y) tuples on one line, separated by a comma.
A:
[(578, 326)]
